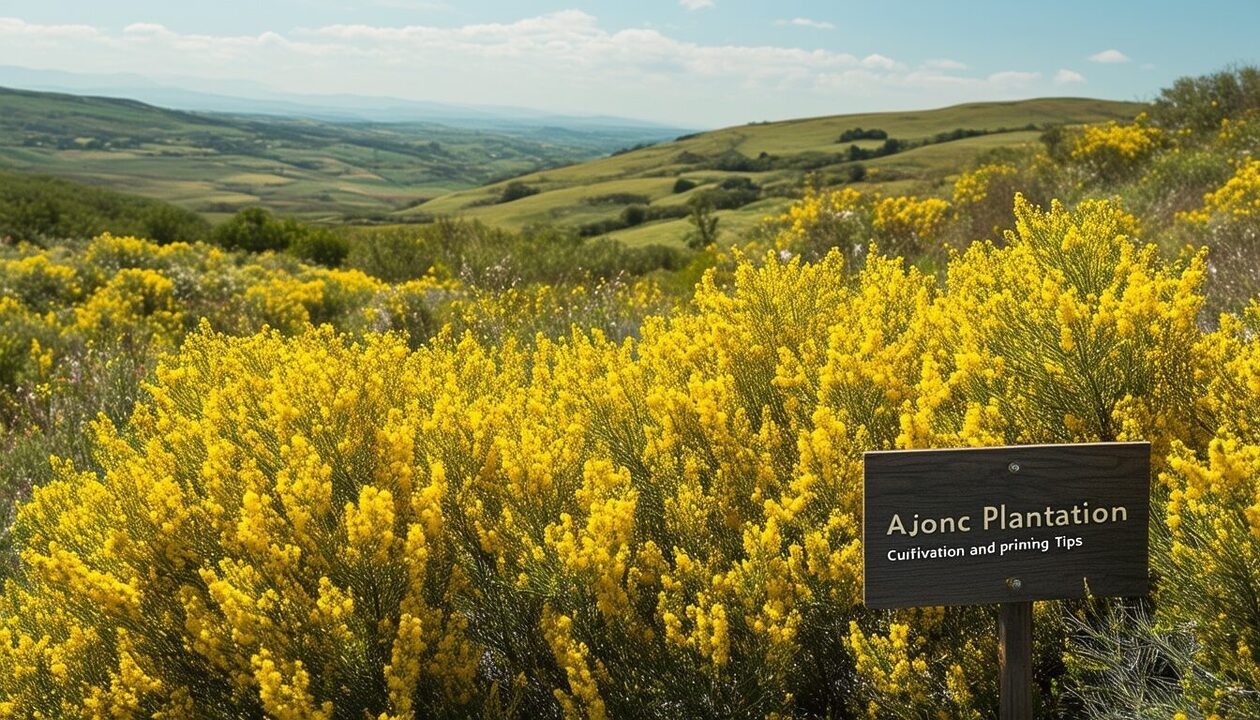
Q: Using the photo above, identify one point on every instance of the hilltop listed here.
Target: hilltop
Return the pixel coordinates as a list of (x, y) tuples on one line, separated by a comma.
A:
[(216, 163), (774, 158)]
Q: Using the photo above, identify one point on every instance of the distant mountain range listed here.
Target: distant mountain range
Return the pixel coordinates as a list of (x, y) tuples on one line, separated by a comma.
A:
[(233, 96)]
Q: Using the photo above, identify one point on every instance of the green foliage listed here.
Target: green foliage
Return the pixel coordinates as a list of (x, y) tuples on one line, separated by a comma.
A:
[(491, 258), (704, 223), (859, 134), (516, 190), (1123, 666), (1058, 142), (1201, 103), (731, 193), (634, 215), (321, 246), (255, 229), (682, 185), (35, 208), (618, 198)]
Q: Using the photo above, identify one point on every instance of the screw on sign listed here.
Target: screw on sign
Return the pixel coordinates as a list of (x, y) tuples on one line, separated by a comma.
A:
[(1006, 525)]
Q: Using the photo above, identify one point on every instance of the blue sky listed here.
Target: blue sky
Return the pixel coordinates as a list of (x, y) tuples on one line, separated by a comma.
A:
[(702, 63)]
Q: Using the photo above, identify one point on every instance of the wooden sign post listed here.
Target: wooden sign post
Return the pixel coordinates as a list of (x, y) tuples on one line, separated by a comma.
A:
[(1006, 525)]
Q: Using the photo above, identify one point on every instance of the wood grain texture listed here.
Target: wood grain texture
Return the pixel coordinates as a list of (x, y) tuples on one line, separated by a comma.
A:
[(1110, 560), (1015, 642)]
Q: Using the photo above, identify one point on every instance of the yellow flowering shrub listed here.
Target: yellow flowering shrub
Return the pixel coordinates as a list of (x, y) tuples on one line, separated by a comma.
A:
[(40, 283), (1113, 151), (582, 525), (823, 220), (974, 187), (1073, 332), (982, 200), (908, 225), (139, 302), (226, 556), (851, 221), (1229, 221), (1210, 552), (1212, 568), (1238, 199), (1239, 136)]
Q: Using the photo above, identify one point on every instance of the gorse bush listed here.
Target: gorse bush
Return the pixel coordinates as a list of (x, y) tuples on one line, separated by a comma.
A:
[(1229, 219), (1211, 547), (852, 221), (1112, 152), (83, 323), (577, 526)]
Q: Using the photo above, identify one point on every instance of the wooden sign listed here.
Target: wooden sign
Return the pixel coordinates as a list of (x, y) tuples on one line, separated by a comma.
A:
[(1006, 524)]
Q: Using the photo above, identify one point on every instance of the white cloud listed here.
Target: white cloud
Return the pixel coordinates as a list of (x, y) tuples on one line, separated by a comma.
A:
[(1014, 78), (807, 22), (944, 64), (696, 4), (1068, 77), (880, 62), (13, 27), (413, 5), (1109, 57), (563, 62)]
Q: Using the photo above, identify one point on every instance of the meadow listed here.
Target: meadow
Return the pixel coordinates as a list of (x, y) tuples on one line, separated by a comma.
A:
[(471, 471)]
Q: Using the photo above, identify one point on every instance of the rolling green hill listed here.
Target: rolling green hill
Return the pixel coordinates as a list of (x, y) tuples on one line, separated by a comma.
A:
[(217, 163), (775, 157)]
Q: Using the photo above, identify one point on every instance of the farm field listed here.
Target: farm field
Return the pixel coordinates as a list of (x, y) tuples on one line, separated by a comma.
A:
[(215, 164)]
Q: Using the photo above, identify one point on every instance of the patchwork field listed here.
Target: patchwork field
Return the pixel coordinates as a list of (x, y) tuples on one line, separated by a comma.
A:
[(776, 157), (215, 164)]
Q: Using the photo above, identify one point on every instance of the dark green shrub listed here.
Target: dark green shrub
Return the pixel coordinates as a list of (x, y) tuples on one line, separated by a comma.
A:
[(321, 246), (634, 215), (516, 190), (619, 198), (859, 134), (682, 185), (257, 230)]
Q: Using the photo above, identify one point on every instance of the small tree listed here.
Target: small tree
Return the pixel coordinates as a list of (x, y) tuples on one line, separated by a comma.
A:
[(255, 229), (704, 222)]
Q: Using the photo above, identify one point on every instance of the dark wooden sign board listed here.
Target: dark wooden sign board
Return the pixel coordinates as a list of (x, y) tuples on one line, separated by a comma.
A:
[(1006, 525)]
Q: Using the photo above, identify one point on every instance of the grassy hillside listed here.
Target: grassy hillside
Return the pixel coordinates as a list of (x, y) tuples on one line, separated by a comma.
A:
[(774, 156), (215, 164), (35, 208)]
